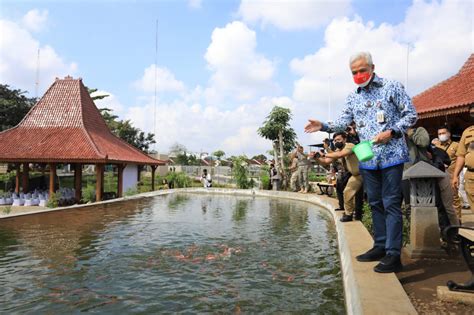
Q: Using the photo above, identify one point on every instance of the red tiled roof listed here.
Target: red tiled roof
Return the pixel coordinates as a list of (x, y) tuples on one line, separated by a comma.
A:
[(66, 126), (453, 95)]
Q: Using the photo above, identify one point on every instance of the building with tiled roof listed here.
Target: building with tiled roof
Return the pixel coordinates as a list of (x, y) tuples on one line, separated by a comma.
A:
[(448, 101), (66, 127)]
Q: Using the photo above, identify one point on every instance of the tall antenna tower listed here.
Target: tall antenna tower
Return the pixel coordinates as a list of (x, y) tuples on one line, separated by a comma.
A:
[(37, 74), (156, 66)]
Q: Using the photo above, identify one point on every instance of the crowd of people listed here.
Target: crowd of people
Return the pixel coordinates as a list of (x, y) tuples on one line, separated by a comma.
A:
[(380, 111)]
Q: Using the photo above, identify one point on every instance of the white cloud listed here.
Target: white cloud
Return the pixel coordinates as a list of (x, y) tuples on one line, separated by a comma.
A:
[(238, 71), (35, 20), (195, 4), (438, 51), (242, 76), (206, 127), (165, 80), (18, 59), (292, 15)]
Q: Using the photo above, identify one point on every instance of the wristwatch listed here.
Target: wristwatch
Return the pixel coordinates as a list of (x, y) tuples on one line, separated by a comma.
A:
[(394, 133)]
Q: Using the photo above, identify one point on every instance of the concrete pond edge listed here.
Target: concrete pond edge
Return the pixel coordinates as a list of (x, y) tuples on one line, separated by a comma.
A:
[(366, 292)]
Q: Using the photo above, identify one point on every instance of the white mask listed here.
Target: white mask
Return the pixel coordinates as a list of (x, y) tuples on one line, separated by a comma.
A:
[(443, 138)]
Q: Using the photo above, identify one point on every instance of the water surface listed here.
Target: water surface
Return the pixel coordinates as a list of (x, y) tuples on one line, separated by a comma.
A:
[(185, 253)]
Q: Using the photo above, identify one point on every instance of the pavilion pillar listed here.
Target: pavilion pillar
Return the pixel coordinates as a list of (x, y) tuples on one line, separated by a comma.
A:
[(52, 177), (120, 169), (78, 181), (153, 169), (25, 177), (99, 183), (17, 178)]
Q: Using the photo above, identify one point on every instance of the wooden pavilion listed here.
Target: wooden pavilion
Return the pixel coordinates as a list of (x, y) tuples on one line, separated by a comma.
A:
[(65, 127), (448, 102)]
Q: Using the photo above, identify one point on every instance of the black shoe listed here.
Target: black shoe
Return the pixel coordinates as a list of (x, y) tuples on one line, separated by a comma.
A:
[(373, 254), (339, 209), (358, 217), (390, 263), (346, 218)]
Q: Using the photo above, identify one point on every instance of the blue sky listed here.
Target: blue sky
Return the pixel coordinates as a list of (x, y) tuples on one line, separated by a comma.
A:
[(222, 65)]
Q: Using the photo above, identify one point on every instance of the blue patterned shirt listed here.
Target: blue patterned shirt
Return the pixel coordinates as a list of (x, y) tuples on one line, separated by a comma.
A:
[(385, 98)]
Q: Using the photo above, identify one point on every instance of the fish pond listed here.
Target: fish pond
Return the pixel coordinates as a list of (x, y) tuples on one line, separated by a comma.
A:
[(180, 253)]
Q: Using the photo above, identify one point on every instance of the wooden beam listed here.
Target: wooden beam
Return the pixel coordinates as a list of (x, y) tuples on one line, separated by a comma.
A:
[(17, 178), (99, 184), (120, 169), (52, 177), (25, 177), (153, 169), (139, 173), (78, 181)]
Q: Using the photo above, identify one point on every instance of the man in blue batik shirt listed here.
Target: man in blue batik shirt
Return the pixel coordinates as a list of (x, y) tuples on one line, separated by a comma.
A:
[(383, 112)]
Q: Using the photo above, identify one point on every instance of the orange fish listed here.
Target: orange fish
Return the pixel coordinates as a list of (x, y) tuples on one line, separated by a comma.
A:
[(211, 257)]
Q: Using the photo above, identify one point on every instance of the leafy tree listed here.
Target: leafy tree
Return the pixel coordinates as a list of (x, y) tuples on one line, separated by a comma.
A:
[(194, 160), (260, 157), (109, 118), (124, 128), (14, 105), (96, 97), (276, 128), (219, 154), (182, 159), (177, 149), (134, 136)]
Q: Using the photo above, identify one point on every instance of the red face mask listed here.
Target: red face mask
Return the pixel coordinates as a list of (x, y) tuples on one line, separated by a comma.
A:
[(362, 79)]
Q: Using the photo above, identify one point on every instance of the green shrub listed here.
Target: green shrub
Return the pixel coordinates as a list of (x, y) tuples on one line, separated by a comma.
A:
[(7, 209), (178, 180), (131, 191), (367, 218), (313, 177), (88, 194), (265, 180), (53, 200), (241, 174)]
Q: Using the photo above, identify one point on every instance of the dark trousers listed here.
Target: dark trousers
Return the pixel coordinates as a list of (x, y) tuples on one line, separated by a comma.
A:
[(384, 192), (341, 183), (359, 201)]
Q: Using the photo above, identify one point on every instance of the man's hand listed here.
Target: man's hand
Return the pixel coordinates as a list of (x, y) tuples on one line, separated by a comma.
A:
[(313, 125), (383, 137), (455, 183)]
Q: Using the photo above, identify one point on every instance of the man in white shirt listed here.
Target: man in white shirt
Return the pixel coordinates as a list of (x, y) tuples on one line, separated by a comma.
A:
[(206, 179)]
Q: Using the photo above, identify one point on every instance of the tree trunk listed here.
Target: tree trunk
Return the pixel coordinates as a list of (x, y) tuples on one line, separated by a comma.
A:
[(275, 153), (282, 160)]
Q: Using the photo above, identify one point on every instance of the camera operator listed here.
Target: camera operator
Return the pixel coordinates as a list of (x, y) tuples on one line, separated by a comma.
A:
[(347, 157)]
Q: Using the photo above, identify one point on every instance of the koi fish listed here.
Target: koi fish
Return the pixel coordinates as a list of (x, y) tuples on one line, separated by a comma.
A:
[(211, 257)]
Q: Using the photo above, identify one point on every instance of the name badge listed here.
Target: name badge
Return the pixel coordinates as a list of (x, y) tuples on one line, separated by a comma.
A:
[(380, 117)]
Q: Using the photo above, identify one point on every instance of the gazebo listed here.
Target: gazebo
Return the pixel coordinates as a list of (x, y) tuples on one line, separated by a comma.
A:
[(448, 101), (65, 127)]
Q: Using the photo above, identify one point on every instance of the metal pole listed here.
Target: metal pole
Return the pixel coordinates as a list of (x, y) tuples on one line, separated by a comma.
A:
[(156, 66)]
